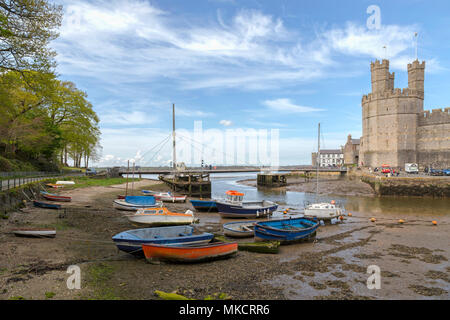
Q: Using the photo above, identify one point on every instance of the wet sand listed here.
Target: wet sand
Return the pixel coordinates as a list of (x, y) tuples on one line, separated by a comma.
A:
[(413, 258)]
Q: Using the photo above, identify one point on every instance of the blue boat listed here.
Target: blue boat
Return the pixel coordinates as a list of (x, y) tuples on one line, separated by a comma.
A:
[(233, 207), (204, 205), (131, 241), (134, 203), (286, 230), (45, 205)]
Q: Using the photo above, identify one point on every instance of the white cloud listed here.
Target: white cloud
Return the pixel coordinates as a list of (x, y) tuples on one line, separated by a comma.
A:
[(285, 105), (113, 117), (226, 123)]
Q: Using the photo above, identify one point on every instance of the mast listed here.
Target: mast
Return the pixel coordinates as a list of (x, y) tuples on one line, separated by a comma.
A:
[(128, 172), (174, 156), (318, 162)]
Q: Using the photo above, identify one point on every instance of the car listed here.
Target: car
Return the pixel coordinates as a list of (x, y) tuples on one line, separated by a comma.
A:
[(435, 172), (91, 172), (446, 172)]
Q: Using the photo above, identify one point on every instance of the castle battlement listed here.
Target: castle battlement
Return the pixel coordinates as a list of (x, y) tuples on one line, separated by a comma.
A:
[(416, 65), (379, 64), (396, 93), (435, 116)]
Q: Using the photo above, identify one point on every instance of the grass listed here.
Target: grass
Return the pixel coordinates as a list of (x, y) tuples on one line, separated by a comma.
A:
[(99, 275), (59, 225), (49, 295)]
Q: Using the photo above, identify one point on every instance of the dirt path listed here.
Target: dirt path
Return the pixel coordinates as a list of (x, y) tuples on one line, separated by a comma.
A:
[(413, 258)]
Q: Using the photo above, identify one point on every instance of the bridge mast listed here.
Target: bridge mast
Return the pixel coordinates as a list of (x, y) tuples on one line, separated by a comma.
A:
[(174, 156)]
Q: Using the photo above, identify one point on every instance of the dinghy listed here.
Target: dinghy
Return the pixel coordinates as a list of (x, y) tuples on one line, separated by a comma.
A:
[(54, 186), (45, 205), (204, 205), (286, 230), (131, 241), (155, 253), (155, 217), (36, 233), (55, 197), (233, 207), (241, 229), (133, 203), (65, 182)]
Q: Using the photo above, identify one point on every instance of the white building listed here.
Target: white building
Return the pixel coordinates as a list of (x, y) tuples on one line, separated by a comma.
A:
[(329, 158)]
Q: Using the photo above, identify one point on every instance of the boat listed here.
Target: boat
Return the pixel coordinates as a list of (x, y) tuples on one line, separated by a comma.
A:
[(55, 197), (271, 247), (131, 241), (155, 217), (65, 182), (37, 233), (321, 210), (165, 196), (286, 230), (133, 203), (155, 253), (46, 205), (233, 207), (54, 186), (241, 229), (204, 205)]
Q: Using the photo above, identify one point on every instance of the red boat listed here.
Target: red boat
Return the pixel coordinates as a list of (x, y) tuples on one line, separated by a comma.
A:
[(213, 251), (55, 197)]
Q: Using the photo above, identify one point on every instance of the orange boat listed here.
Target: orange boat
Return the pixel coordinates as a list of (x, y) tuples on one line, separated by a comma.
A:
[(55, 186), (219, 250)]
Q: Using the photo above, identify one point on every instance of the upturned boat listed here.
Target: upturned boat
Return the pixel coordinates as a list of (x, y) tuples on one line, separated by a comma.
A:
[(155, 217), (46, 205), (204, 205), (36, 233), (133, 203), (286, 230), (234, 207), (55, 197), (155, 253), (241, 229), (131, 241), (65, 182)]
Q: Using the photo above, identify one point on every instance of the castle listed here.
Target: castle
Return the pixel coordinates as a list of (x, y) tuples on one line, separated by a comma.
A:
[(396, 129)]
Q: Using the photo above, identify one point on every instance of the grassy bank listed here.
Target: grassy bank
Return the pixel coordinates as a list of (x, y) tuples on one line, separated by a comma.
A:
[(84, 182)]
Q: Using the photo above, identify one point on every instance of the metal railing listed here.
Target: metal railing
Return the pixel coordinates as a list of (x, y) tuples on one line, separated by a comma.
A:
[(19, 180)]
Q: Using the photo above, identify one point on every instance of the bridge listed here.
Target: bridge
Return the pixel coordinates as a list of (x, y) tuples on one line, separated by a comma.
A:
[(237, 169)]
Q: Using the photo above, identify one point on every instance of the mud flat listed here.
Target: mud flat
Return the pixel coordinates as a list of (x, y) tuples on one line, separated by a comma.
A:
[(332, 267)]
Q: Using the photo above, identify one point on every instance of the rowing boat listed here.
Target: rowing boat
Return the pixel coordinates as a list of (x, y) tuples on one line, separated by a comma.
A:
[(55, 197), (46, 205), (131, 241), (155, 253), (36, 233), (286, 230), (155, 217), (240, 229), (133, 203)]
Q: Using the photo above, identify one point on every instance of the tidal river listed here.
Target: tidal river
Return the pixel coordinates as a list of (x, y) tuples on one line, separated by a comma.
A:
[(388, 206)]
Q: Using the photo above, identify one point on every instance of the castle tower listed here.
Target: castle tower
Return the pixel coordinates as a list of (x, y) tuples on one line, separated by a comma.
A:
[(416, 77), (390, 117)]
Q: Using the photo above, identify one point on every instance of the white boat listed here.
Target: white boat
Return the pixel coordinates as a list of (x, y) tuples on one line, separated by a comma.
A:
[(64, 182), (123, 205), (38, 233), (323, 211), (240, 229), (156, 217), (165, 196)]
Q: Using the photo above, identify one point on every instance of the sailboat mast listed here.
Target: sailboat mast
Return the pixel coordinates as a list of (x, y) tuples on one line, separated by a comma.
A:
[(318, 161), (174, 156)]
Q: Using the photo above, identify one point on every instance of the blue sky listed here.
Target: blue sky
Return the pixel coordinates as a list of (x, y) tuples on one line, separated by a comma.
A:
[(261, 65)]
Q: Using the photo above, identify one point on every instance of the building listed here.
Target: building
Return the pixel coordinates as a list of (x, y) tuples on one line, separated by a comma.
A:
[(351, 151), (329, 158), (396, 129)]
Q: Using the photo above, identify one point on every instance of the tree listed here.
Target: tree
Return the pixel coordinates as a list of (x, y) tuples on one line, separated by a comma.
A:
[(26, 29)]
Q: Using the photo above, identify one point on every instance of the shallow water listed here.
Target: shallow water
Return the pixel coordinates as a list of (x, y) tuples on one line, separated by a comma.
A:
[(221, 182)]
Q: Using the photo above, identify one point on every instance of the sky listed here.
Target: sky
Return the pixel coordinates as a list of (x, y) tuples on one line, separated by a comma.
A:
[(262, 74)]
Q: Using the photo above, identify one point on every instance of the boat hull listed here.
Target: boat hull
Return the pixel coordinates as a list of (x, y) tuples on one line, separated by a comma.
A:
[(150, 220), (155, 253), (170, 198), (54, 197), (42, 233), (323, 214), (227, 210), (174, 236), (238, 229), (286, 230), (203, 205), (123, 205), (44, 205)]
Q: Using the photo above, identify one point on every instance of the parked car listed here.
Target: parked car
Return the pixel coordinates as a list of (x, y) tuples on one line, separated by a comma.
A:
[(91, 172), (412, 168), (435, 172), (446, 172)]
